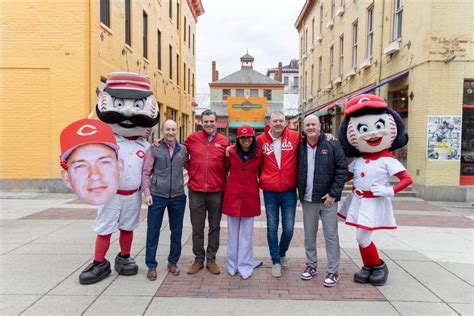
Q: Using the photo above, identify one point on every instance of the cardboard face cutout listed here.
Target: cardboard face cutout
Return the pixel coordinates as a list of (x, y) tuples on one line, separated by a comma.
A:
[(127, 104), (371, 133), (90, 161)]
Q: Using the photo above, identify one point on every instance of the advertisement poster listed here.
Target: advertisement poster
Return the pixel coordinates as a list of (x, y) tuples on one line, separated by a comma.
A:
[(444, 137)]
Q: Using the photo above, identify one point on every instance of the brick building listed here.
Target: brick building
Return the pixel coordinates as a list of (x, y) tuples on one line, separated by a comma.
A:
[(55, 57), (415, 55)]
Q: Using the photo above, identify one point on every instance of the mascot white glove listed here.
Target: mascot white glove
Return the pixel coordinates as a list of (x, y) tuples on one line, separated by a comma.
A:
[(382, 190)]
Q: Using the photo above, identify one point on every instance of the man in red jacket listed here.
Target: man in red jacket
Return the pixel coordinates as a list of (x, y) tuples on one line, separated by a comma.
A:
[(206, 169), (278, 182)]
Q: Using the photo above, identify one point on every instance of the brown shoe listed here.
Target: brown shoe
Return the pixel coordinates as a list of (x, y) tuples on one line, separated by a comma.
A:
[(151, 275), (195, 267), (213, 267), (173, 269)]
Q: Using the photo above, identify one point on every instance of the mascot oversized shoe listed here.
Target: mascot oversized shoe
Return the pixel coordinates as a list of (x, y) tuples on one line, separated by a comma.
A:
[(363, 275), (95, 272), (125, 266), (379, 274)]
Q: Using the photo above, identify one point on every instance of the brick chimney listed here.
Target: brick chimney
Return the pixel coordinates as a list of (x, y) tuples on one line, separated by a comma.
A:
[(279, 76), (215, 73)]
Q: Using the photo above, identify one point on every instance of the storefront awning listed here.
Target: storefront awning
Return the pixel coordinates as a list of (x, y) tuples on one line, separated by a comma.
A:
[(370, 89), (252, 124)]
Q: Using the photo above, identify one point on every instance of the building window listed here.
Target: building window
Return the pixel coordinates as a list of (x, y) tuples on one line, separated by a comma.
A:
[(341, 54), (301, 48), (254, 92), (333, 9), (189, 78), (128, 38), (343, 4), (178, 16), (183, 132), (467, 141), (184, 29), (321, 20), (397, 19), (312, 80), (193, 86), (331, 62), (194, 41), (184, 76), (320, 74), (159, 50), (105, 12), (170, 9), (306, 40), (267, 94), (145, 35), (239, 92), (189, 34), (177, 69), (285, 80), (354, 45), (295, 82), (312, 33), (170, 61), (370, 31), (225, 94)]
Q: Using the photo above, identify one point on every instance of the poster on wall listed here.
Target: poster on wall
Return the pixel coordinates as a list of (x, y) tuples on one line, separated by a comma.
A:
[(444, 137)]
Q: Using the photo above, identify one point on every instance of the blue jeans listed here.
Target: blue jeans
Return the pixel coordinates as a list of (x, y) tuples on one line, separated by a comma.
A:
[(176, 206), (285, 200)]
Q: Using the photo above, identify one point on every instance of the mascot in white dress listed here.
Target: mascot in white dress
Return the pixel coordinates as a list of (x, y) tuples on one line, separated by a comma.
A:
[(127, 104), (370, 131)]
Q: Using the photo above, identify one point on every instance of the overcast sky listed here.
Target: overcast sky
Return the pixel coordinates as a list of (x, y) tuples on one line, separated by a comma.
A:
[(229, 27)]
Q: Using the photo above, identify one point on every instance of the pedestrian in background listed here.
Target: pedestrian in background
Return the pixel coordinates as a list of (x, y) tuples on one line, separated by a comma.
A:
[(242, 202), (322, 172), (163, 186)]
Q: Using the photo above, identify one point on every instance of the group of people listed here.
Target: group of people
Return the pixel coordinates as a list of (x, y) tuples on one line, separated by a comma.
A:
[(227, 180), (109, 163)]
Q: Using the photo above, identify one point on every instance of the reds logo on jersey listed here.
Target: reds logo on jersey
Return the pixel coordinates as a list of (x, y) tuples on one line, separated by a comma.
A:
[(140, 154), (285, 145)]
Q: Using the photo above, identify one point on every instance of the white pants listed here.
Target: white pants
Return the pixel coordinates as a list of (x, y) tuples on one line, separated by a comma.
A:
[(122, 212), (240, 246)]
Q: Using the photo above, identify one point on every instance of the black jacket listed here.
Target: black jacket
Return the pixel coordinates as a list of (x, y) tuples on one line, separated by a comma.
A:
[(330, 170)]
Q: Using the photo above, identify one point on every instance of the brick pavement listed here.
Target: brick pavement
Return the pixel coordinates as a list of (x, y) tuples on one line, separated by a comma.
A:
[(263, 286)]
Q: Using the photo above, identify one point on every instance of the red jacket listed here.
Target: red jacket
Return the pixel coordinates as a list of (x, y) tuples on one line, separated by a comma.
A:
[(242, 195), (206, 165), (273, 178)]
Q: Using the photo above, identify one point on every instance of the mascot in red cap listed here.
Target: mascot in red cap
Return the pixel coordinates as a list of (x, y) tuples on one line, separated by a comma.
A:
[(127, 104), (370, 131)]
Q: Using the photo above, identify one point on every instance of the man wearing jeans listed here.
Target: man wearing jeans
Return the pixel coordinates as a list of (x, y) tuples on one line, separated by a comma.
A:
[(322, 172), (163, 186), (278, 182)]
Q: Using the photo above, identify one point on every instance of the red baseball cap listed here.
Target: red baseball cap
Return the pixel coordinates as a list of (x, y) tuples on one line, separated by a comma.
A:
[(86, 131), (245, 130), (128, 85), (364, 101)]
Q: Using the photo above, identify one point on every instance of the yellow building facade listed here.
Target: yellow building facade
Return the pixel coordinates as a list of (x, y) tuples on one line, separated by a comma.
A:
[(55, 57), (419, 56)]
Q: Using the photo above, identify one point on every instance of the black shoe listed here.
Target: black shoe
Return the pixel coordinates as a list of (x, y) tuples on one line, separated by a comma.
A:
[(363, 275), (379, 274), (125, 266), (95, 272)]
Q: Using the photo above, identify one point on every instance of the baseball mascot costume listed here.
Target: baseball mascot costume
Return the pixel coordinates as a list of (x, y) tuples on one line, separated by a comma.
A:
[(370, 131), (127, 104)]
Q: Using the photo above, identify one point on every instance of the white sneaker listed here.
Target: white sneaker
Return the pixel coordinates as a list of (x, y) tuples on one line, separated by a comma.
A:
[(276, 270), (284, 263)]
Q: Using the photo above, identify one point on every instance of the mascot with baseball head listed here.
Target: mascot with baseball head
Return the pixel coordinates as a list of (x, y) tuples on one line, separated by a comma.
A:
[(370, 131), (128, 106)]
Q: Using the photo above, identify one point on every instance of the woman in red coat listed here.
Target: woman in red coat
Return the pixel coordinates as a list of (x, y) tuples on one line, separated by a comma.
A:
[(242, 202)]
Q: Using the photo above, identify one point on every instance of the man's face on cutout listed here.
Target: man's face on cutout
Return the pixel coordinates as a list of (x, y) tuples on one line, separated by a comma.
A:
[(93, 173)]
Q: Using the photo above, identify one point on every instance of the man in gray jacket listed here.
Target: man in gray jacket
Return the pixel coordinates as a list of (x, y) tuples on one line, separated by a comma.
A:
[(163, 186)]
